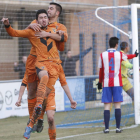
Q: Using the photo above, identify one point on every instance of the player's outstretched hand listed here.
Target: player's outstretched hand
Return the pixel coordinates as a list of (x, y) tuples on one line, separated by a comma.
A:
[(5, 21), (136, 53), (18, 103), (99, 85), (73, 104), (35, 27)]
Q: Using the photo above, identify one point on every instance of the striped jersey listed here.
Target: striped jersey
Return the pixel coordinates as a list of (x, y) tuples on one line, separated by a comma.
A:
[(110, 65)]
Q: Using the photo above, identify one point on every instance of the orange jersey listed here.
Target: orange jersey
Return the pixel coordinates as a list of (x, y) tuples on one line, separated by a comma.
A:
[(55, 27), (45, 47), (33, 51)]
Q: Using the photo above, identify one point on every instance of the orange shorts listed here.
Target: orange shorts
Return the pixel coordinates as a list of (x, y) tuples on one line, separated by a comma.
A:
[(52, 69), (30, 69), (51, 102)]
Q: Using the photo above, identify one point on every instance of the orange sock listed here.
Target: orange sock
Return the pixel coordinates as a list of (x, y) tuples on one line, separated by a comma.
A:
[(41, 89), (31, 105), (33, 118), (52, 134), (43, 108)]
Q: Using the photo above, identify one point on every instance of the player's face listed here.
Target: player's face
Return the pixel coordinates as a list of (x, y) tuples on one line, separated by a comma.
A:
[(24, 59), (52, 12), (127, 49), (43, 20), (69, 54)]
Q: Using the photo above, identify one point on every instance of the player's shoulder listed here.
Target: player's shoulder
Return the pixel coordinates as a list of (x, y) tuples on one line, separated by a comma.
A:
[(30, 31), (60, 25)]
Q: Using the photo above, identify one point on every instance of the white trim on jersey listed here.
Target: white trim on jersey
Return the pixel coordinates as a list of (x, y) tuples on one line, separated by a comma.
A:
[(118, 57)]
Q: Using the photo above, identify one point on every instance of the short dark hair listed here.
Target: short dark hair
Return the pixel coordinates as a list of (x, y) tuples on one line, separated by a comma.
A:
[(123, 45), (58, 7), (113, 41), (40, 12)]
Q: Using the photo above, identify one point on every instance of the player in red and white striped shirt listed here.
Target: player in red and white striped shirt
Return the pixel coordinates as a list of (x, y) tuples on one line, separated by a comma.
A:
[(110, 75)]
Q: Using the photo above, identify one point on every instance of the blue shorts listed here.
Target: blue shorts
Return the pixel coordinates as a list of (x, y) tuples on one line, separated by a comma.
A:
[(109, 92)]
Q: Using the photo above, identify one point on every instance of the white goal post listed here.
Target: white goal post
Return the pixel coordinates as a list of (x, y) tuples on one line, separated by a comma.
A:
[(134, 37)]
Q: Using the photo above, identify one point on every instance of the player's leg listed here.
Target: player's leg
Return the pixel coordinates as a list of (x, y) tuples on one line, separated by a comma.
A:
[(106, 116), (32, 97), (50, 110), (52, 128), (43, 76), (118, 116), (32, 82), (117, 99), (128, 88), (130, 92), (107, 100), (49, 89)]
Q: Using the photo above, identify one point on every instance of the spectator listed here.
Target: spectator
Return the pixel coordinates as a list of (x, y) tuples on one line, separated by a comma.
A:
[(20, 67), (69, 62)]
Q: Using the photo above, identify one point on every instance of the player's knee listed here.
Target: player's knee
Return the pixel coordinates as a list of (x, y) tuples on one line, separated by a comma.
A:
[(47, 91), (51, 120), (44, 79), (32, 92)]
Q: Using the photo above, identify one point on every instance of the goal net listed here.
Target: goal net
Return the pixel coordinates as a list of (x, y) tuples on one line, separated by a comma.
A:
[(111, 21)]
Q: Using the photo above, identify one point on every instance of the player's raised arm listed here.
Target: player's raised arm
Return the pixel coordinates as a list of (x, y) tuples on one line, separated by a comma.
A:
[(21, 91), (14, 33)]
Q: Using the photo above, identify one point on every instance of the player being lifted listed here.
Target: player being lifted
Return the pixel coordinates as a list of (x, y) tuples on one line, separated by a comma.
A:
[(50, 102), (110, 75), (54, 11), (47, 61)]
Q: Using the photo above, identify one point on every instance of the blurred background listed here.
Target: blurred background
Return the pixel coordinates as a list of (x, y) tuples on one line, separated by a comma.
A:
[(87, 36)]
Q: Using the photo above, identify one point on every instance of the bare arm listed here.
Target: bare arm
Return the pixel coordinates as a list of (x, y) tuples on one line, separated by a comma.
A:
[(64, 84), (67, 91), (21, 92), (43, 34)]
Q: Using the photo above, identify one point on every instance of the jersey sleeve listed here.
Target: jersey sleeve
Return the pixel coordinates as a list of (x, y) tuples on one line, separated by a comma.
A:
[(100, 69), (62, 77), (24, 80), (129, 56), (64, 37), (18, 33), (124, 57), (60, 45), (100, 62), (127, 64)]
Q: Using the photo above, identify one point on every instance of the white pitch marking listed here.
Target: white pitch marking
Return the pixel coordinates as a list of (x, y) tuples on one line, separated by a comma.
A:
[(133, 126)]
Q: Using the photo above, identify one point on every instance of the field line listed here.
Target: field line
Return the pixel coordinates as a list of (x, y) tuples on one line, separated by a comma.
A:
[(66, 137)]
